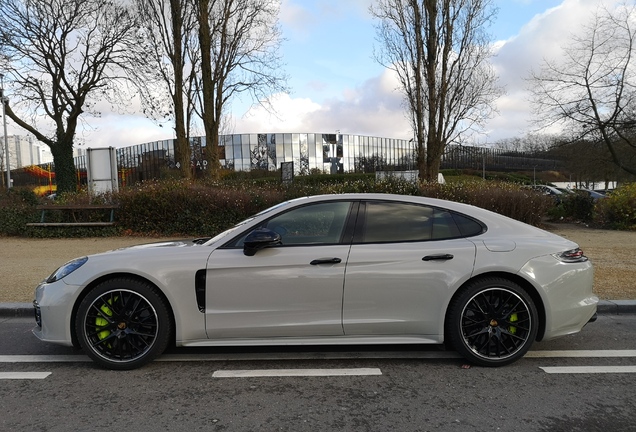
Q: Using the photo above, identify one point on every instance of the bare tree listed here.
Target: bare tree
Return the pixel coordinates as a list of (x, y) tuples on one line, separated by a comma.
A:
[(440, 51), (591, 88), (61, 57), (530, 143), (239, 42), (166, 66)]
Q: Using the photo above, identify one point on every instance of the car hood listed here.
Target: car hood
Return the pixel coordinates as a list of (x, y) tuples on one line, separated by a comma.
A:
[(163, 244)]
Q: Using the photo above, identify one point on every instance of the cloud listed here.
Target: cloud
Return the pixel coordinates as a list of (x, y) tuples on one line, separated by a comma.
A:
[(542, 38), (374, 108), (122, 130)]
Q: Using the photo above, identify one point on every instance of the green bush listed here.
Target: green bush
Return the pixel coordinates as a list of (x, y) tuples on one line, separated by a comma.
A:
[(188, 208), (618, 210), (172, 207), (577, 206), (17, 208), (505, 198)]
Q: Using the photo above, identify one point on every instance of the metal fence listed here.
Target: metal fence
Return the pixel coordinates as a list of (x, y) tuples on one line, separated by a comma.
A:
[(157, 160), (479, 158)]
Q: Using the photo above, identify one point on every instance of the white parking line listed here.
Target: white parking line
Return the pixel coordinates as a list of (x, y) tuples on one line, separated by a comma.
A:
[(589, 369), (295, 373), (43, 358), (24, 375), (581, 353)]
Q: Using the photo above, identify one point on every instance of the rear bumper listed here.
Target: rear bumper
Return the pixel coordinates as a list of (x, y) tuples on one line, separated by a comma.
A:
[(566, 293)]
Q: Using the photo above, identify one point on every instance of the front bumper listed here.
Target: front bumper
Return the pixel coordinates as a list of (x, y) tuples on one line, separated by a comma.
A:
[(53, 307)]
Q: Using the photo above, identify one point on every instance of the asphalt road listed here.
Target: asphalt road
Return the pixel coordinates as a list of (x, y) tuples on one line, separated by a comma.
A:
[(585, 382)]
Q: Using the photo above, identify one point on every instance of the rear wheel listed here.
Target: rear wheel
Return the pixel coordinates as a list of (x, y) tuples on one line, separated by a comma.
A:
[(492, 322), (123, 324)]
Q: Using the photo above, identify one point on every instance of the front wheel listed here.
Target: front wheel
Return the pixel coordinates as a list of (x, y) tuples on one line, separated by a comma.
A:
[(123, 324), (492, 322)]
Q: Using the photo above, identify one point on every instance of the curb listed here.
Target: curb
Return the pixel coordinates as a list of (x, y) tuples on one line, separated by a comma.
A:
[(616, 307), (16, 310), (605, 307)]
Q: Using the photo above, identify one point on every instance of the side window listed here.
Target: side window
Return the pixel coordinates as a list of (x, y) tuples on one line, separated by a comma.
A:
[(468, 227), (444, 226), (313, 224), (397, 222)]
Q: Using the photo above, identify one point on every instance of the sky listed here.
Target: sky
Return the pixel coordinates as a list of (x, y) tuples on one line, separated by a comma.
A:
[(336, 85)]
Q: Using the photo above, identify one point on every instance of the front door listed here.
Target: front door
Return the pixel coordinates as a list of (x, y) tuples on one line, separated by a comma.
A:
[(291, 290)]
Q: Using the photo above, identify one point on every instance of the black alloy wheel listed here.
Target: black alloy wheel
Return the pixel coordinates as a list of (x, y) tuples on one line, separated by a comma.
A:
[(123, 324), (492, 322)]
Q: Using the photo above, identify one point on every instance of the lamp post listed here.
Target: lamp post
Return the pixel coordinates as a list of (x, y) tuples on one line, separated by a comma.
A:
[(4, 101)]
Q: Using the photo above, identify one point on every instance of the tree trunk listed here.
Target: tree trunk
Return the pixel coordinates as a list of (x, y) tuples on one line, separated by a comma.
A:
[(182, 145), (209, 122), (65, 172)]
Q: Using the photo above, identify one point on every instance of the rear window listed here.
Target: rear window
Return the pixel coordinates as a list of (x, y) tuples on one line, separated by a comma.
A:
[(393, 222)]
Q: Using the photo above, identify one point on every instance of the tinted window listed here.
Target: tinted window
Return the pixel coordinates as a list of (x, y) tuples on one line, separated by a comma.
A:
[(397, 222), (322, 223), (400, 222), (444, 226), (467, 226), (317, 223)]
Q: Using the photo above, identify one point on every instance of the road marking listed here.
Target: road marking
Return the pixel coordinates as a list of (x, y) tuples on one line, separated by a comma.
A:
[(589, 369), (24, 375), (581, 353), (295, 373), (43, 358)]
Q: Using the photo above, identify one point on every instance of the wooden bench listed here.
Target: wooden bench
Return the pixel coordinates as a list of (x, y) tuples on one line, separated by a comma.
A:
[(75, 208)]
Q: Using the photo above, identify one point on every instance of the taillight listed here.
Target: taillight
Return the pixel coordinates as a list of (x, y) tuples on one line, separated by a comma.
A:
[(571, 256)]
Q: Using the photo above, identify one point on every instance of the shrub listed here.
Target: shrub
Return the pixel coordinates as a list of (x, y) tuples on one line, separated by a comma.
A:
[(173, 207), (188, 208), (17, 208), (618, 210), (501, 197), (577, 206)]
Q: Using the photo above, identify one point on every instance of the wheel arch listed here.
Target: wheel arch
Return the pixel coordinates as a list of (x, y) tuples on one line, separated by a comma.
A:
[(523, 283), (107, 277)]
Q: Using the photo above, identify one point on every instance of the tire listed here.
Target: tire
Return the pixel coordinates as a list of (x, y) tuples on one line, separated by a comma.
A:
[(123, 324), (492, 322)]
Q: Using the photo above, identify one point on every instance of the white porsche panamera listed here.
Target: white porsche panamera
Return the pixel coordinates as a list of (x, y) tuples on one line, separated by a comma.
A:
[(334, 269)]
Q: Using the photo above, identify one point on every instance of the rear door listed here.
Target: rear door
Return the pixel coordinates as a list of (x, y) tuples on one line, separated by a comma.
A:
[(405, 262)]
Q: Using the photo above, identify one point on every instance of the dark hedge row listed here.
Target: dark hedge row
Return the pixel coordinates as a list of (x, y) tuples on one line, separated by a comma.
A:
[(199, 208)]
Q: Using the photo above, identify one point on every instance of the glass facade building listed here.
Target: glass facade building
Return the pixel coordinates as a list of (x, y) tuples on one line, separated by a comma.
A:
[(314, 152), (309, 152)]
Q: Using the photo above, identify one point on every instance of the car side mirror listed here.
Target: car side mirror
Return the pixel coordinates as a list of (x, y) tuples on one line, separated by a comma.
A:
[(260, 239)]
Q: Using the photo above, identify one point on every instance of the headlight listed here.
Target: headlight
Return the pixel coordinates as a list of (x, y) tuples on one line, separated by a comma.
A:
[(571, 256), (66, 269)]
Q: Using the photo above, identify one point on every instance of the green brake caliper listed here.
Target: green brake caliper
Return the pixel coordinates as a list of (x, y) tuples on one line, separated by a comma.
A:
[(102, 322), (513, 318)]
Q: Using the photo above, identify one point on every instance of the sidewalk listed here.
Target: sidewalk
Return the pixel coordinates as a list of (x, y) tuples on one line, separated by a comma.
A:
[(605, 307)]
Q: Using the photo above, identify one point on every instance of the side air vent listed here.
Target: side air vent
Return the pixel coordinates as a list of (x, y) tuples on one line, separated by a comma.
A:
[(199, 289)]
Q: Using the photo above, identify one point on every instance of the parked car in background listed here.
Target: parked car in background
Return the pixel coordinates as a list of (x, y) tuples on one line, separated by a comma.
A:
[(547, 190), (557, 193), (591, 193), (347, 269)]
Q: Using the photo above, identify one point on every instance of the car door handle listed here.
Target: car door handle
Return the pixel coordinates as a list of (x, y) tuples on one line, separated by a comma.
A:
[(326, 261), (438, 257)]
